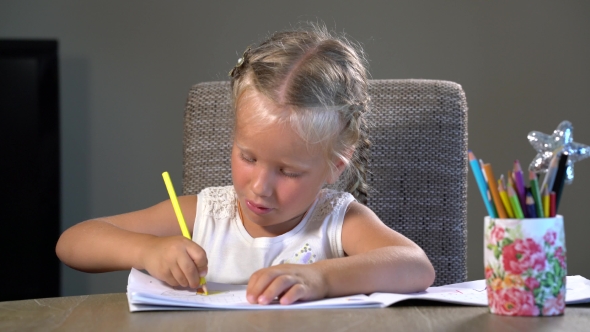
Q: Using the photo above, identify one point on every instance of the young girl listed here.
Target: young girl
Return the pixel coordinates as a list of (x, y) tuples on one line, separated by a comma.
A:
[(299, 99)]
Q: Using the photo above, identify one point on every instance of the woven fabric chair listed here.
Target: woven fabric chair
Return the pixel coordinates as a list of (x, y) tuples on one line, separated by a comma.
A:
[(418, 167)]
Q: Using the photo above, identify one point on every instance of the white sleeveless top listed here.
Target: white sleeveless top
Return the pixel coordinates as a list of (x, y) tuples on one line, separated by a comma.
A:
[(234, 255)]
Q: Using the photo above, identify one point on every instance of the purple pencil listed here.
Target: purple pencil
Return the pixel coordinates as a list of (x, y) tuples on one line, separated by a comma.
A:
[(520, 187)]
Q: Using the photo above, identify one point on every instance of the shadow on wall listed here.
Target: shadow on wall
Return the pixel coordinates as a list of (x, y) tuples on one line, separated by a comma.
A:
[(75, 158)]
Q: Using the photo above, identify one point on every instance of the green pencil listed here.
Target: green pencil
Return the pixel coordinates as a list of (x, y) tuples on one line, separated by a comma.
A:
[(515, 203), (536, 194)]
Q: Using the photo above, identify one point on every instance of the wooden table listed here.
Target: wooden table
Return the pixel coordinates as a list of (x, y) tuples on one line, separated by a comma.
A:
[(110, 312)]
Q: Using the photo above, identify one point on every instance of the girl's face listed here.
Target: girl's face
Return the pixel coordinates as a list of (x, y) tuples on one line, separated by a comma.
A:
[(275, 175)]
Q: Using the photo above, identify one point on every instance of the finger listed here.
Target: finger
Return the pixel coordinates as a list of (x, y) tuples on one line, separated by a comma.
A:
[(278, 286), (169, 279), (203, 271), (179, 275), (258, 282), (190, 271), (199, 258), (295, 293)]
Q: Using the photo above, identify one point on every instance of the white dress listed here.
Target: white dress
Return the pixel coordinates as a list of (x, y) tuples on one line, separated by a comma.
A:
[(233, 255)]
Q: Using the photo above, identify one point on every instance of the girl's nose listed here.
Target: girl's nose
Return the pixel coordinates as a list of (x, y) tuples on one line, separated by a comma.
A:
[(262, 182)]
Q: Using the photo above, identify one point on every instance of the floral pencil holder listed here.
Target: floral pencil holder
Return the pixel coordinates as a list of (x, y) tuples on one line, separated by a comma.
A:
[(525, 266)]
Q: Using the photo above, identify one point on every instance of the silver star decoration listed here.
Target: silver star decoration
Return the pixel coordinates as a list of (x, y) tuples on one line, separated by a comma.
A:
[(562, 140)]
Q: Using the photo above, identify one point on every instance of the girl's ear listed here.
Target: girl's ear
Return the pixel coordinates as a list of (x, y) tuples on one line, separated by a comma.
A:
[(340, 167), (333, 176)]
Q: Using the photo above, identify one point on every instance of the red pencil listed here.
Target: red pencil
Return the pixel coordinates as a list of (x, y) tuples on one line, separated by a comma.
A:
[(552, 211)]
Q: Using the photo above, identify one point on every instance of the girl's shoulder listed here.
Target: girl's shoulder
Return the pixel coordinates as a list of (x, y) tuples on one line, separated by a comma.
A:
[(333, 200), (332, 194), (219, 201)]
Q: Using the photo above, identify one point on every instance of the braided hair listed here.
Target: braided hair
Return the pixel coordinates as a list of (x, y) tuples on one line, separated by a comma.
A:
[(323, 78)]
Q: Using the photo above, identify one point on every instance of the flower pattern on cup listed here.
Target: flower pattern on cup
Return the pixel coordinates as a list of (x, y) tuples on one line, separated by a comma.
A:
[(522, 255), (513, 301), (550, 237), (527, 277)]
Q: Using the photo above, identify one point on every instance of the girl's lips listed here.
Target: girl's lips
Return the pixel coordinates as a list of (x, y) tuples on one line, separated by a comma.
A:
[(258, 209)]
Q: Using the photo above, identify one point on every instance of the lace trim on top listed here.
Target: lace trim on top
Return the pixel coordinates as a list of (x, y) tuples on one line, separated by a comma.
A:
[(331, 200), (220, 201)]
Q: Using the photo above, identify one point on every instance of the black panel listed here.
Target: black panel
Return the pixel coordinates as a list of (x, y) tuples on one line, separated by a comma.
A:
[(29, 169)]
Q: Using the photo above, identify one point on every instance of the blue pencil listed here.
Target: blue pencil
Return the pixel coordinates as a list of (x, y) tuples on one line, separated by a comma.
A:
[(481, 183), (530, 205)]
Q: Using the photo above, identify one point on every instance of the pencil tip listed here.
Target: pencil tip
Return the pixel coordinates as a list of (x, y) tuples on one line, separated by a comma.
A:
[(529, 198), (205, 289)]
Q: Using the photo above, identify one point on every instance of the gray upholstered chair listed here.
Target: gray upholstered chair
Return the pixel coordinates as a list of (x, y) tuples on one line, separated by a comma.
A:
[(418, 168)]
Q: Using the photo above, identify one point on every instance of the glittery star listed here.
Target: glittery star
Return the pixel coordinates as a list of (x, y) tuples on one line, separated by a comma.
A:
[(562, 140)]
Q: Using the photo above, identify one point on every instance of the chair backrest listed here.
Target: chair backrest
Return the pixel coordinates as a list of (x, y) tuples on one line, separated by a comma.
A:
[(418, 165)]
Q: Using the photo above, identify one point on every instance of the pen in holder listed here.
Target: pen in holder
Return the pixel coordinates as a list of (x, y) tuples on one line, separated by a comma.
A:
[(525, 266)]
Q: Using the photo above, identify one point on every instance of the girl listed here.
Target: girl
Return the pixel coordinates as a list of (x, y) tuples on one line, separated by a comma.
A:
[(299, 99)]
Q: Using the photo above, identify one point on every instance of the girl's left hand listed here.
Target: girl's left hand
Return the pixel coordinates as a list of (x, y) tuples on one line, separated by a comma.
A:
[(288, 282)]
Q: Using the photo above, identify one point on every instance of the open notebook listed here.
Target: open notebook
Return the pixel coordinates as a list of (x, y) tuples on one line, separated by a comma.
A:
[(146, 293)]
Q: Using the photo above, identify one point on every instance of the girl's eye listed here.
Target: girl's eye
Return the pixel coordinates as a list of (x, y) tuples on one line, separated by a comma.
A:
[(246, 159), (290, 175)]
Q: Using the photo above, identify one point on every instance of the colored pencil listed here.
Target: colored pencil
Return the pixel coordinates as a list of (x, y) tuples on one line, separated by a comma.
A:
[(552, 211), (546, 203), (530, 205), (519, 183), (180, 218), (482, 185), (515, 203), (560, 179), (487, 168), (488, 191), (504, 197), (534, 183), (513, 186), (551, 171)]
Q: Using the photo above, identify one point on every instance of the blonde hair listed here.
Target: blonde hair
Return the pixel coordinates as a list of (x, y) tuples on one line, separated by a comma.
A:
[(322, 80)]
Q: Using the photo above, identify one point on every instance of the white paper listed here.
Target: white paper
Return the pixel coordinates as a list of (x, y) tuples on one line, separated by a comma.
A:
[(468, 293), (146, 293), (577, 290)]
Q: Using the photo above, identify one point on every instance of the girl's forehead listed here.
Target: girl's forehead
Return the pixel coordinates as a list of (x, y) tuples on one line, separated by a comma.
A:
[(278, 137), (254, 109), (278, 143), (259, 116)]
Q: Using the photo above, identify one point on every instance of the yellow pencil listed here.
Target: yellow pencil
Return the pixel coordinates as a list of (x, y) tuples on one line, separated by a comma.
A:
[(546, 201), (504, 197), (180, 217)]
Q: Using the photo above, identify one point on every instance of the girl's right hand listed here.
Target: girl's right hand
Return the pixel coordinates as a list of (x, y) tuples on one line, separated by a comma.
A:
[(175, 260)]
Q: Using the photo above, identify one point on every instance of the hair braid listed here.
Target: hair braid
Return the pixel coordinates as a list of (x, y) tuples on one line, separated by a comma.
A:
[(321, 78), (356, 181)]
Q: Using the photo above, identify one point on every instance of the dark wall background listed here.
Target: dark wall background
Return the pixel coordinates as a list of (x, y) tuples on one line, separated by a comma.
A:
[(126, 67)]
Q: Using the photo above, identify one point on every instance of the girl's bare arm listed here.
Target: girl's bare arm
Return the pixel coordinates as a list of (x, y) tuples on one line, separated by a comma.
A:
[(144, 239), (379, 259)]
